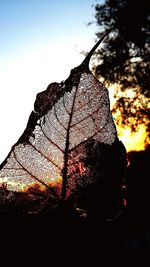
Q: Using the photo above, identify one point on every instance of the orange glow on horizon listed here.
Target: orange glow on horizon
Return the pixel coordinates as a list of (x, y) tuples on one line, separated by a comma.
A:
[(133, 141)]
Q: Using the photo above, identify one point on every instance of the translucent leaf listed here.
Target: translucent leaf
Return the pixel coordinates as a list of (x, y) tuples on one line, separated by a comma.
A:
[(68, 120)]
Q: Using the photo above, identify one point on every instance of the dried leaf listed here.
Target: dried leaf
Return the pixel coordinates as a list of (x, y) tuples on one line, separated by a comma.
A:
[(69, 119)]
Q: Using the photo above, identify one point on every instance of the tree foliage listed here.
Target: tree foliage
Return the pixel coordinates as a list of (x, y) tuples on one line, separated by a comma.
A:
[(125, 56)]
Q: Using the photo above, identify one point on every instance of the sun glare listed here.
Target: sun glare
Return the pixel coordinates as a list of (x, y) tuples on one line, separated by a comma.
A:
[(133, 140)]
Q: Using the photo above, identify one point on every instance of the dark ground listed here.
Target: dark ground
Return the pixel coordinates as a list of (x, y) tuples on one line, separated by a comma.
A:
[(62, 237)]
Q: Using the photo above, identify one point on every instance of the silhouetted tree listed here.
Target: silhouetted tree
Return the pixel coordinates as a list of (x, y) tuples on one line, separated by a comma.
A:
[(125, 56)]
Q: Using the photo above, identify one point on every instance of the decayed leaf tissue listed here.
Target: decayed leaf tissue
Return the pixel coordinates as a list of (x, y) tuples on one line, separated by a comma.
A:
[(69, 151)]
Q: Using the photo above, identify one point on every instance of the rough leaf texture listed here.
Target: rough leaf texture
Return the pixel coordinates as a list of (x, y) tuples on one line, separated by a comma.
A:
[(71, 123)]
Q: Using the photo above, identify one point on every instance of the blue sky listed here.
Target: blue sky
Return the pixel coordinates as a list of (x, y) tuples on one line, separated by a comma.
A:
[(29, 24), (40, 41)]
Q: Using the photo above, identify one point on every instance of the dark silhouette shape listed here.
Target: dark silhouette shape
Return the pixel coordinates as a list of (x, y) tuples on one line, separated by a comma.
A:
[(138, 205), (138, 186)]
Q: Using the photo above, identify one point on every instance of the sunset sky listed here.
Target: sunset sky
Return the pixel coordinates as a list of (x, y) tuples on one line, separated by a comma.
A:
[(40, 42)]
